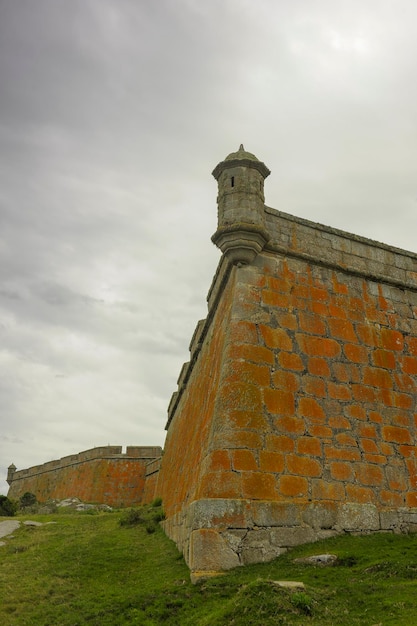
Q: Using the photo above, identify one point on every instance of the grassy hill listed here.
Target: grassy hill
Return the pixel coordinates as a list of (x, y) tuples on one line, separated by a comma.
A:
[(88, 569)]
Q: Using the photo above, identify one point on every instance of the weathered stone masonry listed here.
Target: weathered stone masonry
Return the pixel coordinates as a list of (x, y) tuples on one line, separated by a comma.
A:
[(297, 408), (102, 475)]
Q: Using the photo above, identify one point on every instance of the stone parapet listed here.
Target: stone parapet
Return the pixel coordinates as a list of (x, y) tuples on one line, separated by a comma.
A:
[(340, 250), (219, 282), (144, 452)]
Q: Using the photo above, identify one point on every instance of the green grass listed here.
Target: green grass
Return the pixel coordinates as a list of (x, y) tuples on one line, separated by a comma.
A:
[(91, 570)]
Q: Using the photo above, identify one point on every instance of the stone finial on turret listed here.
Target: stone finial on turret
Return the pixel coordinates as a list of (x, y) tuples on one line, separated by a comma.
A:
[(10, 472), (241, 232)]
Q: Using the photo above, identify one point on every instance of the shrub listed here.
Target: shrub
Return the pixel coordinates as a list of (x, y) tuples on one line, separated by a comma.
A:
[(132, 517), (8, 507), (156, 502), (28, 499), (158, 516), (150, 528)]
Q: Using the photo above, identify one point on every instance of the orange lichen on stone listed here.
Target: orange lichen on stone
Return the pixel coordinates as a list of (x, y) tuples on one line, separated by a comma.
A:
[(344, 454), (290, 424), (280, 443), (259, 486), (368, 474), (303, 466), (218, 460), (293, 486), (276, 338), (312, 324), (396, 434), (285, 380), (279, 402), (392, 339), (251, 353), (243, 459), (356, 353), (322, 490), (343, 330), (341, 471), (271, 461), (355, 493), (290, 361), (318, 346), (310, 408), (252, 373), (384, 358), (318, 366), (309, 445)]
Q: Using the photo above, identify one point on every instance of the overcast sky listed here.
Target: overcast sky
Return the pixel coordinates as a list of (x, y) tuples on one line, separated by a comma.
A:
[(113, 114)]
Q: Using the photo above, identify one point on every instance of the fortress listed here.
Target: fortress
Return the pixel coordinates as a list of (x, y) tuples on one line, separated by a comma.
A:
[(295, 418)]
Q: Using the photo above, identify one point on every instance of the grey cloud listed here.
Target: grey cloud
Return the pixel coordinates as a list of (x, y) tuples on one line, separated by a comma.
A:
[(58, 295)]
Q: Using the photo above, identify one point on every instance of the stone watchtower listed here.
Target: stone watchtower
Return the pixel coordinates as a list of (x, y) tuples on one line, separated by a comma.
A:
[(241, 232), (10, 473)]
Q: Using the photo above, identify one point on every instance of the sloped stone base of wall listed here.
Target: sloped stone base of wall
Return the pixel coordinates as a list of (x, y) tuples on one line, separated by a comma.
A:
[(219, 534)]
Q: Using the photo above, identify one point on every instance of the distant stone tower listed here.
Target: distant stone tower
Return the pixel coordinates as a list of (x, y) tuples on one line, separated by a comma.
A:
[(241, 232), (10, 473)]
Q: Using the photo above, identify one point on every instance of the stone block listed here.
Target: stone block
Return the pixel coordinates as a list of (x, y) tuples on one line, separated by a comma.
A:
[(253, 555), (256, 547), (257, 538), (286, 537), (358, 517), (234, 539), (408, 516), (209, 551), (219, 513), (222, 274), (196, 340), (275, 514), (268, 263), (320, 516), (412, 528), (389, 520), (183, 374), (171, 407), (289, 584), (326, 534)]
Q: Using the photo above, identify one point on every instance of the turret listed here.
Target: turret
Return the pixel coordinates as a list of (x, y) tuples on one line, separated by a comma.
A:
[(10, 472), (241, 232)]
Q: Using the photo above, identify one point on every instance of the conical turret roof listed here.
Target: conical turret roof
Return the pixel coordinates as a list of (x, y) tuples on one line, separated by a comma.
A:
[(241, 154), (241, 158)]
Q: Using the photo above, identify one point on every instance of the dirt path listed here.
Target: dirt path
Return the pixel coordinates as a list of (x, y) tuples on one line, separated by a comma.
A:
[(7, 528)]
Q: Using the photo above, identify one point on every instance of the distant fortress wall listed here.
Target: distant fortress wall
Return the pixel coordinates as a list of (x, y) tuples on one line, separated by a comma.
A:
[(104, 475)]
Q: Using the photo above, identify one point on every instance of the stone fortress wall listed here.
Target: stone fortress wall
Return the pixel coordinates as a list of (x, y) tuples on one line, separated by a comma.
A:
[(102, 475), (295, 417), (298, 405)]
